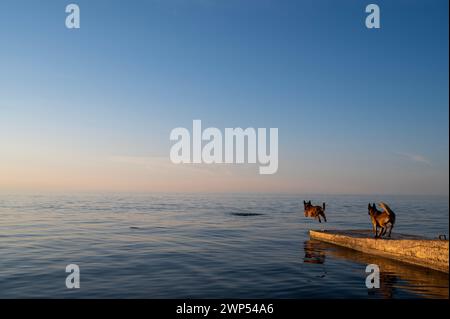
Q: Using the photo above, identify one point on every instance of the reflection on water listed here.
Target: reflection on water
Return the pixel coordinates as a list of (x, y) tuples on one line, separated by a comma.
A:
[(394, 275), (203, 246), (314, 253)]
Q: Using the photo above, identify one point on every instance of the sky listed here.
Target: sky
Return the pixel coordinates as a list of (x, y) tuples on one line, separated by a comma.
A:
[(359, 111)]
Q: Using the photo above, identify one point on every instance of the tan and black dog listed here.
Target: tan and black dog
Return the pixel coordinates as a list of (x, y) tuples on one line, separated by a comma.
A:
[(314, 211), (381, 219)]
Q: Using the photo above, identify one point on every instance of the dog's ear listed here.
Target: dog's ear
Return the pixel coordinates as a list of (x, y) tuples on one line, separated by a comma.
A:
[(370, 206), (304, 202), (374, 205)]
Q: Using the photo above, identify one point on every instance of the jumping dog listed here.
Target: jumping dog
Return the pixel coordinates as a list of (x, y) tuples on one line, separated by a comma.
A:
[(314, 211)]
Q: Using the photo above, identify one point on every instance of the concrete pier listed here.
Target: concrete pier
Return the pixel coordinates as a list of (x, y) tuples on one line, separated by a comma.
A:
[(429, 253)]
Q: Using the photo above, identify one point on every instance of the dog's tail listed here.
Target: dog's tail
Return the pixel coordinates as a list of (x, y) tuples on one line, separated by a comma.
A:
[(323, 206), (387, 209)]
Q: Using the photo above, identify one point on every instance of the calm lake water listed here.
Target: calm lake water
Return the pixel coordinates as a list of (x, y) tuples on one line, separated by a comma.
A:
[(204, 246)]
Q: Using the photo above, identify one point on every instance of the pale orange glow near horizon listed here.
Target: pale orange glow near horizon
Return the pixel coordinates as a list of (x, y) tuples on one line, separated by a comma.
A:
[(69, 173)]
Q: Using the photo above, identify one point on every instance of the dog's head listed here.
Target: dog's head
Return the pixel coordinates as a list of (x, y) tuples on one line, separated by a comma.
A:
[(372, 209), (306, 205)]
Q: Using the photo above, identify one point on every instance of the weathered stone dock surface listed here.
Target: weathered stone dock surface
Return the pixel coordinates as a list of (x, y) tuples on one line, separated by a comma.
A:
[(430, 253)]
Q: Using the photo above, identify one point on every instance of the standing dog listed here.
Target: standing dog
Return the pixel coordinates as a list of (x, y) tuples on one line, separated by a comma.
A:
[(381, 219), (314, 211)]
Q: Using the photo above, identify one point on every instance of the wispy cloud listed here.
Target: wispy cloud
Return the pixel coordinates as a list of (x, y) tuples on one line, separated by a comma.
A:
[(417, 158), (163, 164), (139, 160)]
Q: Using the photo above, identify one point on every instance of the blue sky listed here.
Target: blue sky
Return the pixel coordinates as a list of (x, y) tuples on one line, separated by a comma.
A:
[(358, 110)]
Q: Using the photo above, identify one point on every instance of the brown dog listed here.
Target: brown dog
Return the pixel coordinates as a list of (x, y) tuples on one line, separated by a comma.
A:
[(381, 219), (314, 211)]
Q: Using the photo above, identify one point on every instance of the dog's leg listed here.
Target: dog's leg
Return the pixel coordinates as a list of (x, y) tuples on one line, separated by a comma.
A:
[(384, 231), (324, 217), (376, 231), (390, 230), (318, 216)]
